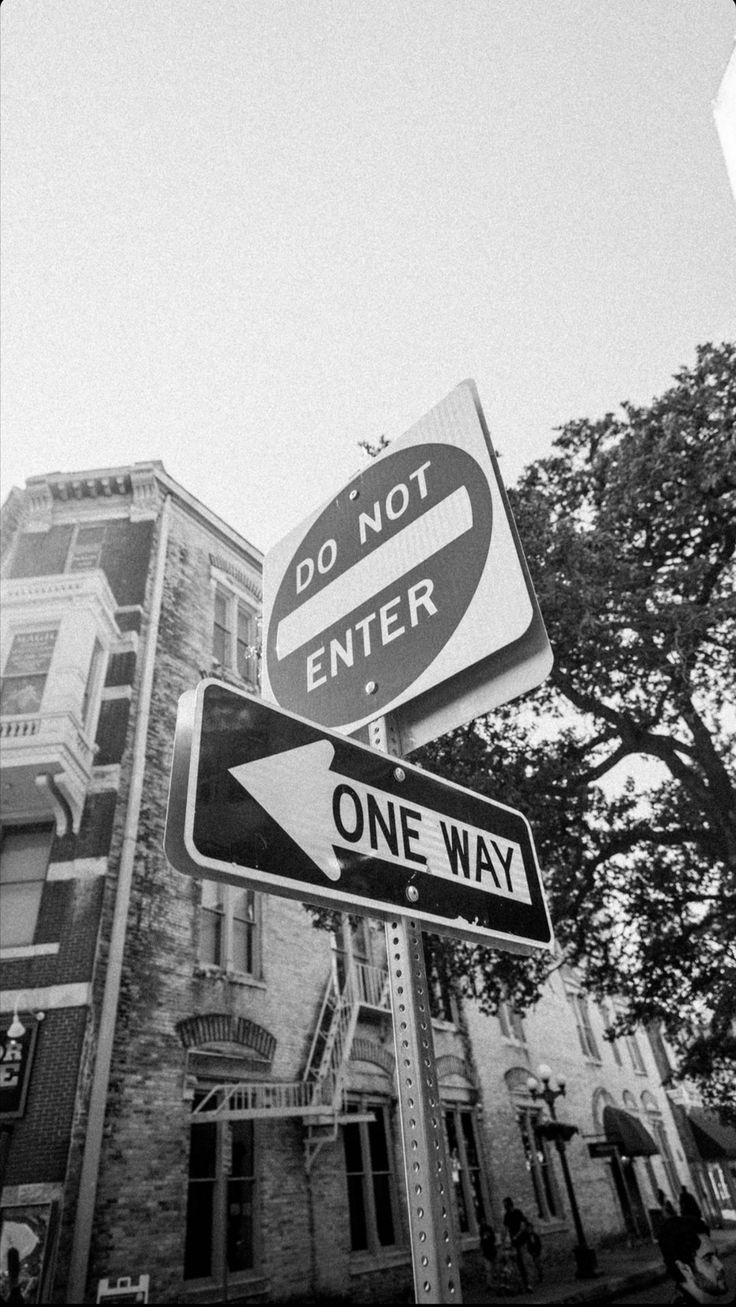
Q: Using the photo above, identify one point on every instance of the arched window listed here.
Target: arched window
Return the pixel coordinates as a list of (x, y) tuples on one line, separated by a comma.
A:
[(601, 1099), (537, 1154), (222, 1197), (656, 1127)]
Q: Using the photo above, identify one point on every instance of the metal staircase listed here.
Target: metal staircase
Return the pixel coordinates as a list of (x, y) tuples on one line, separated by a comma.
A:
[(318, 1098)]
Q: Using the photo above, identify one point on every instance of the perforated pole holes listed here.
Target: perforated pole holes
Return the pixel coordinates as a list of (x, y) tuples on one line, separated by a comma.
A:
[(428, 1193), (432, 1238)]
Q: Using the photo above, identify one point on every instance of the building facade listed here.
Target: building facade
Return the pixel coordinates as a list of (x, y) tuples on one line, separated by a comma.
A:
[(197, 1083)]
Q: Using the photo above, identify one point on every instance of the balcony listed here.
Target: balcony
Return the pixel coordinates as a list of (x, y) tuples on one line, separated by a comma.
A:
[(47, 755), (46, 768)]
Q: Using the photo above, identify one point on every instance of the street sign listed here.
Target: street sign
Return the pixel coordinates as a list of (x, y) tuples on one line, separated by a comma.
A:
[(408, 593), (601, 1149), (264, 799)]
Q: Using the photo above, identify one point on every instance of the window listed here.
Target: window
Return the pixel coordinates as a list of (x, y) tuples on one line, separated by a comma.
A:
[(442, 1001), (656, 1127), (465, 1168), (229, 928), (221, 1200), (94, 679), (581, 1012), (539, 1166), (25, 673), (370, 1179), (234, 636), (24, 860), (637, 1061), (512, 1026), (86, 551), (607, 1020)]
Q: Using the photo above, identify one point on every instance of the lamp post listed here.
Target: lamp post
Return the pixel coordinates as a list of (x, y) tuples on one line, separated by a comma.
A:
[(561, 1134)]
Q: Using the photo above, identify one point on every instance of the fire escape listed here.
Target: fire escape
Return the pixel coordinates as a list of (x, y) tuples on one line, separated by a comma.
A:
[(319, 1097)]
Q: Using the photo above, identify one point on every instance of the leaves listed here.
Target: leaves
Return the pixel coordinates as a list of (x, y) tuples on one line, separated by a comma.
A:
[(630, 532)]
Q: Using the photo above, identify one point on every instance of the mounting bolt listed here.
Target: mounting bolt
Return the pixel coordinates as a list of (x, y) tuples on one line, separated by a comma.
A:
[(371, 687), (399, 774), (412, 893)]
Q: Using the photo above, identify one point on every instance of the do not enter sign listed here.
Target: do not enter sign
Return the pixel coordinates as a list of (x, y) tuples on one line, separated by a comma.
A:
[(394, 596), (378, 598)]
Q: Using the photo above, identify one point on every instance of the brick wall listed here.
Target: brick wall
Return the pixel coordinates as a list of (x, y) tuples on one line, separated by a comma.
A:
[(40, 1139)]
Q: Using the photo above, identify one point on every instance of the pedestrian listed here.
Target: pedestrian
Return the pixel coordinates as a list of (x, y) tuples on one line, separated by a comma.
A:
[(689, 1205), (666, 1204), (692, 1260), (534, 1246), (489, 1250), (516, 1227)]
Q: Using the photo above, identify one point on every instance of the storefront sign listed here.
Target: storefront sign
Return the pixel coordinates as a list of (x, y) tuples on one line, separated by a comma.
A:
[(601, 1149), (16, 1061)]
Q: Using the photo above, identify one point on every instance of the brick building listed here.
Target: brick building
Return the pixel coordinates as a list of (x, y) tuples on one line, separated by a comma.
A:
[(138, 1004)]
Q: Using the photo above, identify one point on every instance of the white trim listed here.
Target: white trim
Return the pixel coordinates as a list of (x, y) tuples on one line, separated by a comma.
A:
[(27, 951), (117, 692), (51, 997), (105, 777), (30, 1195), (77, 869)]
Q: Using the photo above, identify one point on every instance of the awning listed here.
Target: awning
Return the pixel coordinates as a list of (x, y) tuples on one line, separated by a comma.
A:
[(713, 1140), (627, 1132)]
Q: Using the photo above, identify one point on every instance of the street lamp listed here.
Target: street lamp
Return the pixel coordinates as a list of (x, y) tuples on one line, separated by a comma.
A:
[(561, 1134)]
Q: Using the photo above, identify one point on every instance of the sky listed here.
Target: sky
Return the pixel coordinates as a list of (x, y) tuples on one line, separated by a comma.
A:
[(242, 236)]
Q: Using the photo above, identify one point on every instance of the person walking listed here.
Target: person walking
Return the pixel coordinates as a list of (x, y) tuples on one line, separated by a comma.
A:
[(534, 1248), (666, 1204), (516, 1228), (489, 1250)]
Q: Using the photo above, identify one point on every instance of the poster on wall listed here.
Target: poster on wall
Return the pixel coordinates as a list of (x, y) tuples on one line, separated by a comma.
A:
[(25, 671), (27, 1238)]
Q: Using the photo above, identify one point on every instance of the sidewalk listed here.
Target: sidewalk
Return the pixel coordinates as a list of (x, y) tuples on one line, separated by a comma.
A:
[(621, 1272)]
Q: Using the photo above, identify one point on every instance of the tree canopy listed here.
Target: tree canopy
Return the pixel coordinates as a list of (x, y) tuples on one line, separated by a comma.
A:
[(629, 528)]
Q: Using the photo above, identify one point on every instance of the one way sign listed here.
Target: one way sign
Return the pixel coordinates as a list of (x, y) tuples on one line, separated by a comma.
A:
[(264, 799)]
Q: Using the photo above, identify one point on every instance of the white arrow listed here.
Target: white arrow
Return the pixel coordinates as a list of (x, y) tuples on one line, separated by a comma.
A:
[(318, 809), (296, 789)]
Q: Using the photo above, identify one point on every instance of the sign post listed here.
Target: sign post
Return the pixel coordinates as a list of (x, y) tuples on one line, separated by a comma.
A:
[(426, 1173), (399, 611)]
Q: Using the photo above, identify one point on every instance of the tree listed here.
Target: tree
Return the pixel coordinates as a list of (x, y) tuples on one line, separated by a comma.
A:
[(629, 528)]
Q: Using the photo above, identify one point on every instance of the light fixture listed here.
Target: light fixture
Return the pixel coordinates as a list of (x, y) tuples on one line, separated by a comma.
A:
[(16, 1029)]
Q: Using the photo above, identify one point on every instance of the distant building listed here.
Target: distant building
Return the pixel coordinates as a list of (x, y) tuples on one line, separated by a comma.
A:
[(196, 1085)]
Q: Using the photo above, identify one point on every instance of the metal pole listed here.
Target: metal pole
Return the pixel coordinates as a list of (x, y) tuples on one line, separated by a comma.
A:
[(571, 1193), (428, 1184), (562, 1150), (585, 1256)]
